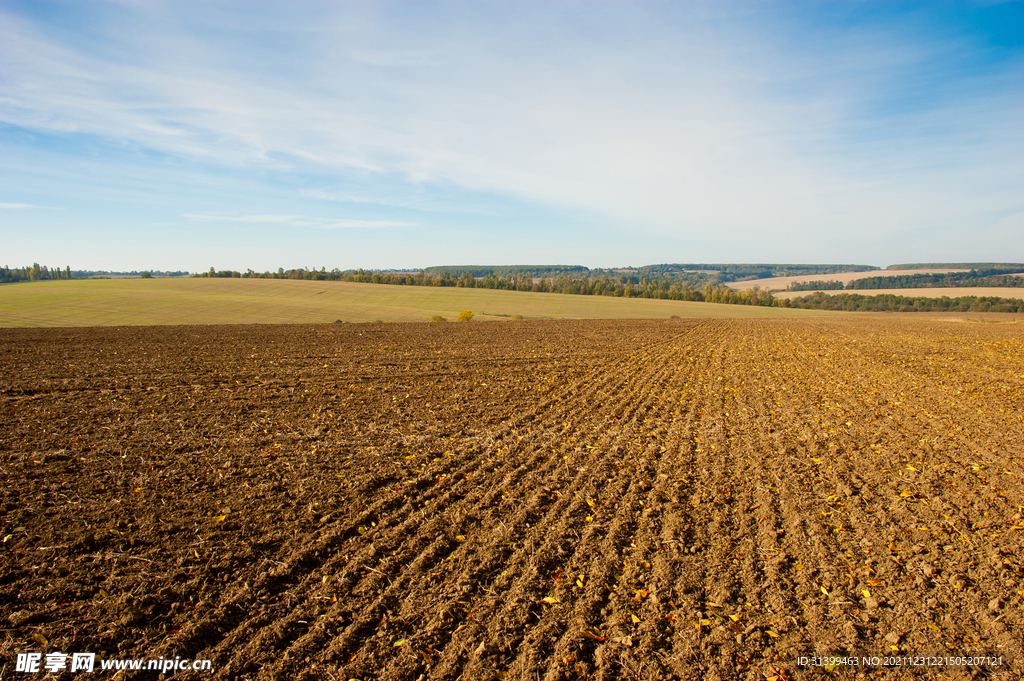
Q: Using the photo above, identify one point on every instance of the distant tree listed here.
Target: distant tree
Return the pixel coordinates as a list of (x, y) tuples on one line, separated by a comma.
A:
[(465, 316), (146, 275)]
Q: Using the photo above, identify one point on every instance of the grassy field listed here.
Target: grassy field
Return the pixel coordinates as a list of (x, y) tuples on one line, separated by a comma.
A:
[(133, 302), (952, 292)]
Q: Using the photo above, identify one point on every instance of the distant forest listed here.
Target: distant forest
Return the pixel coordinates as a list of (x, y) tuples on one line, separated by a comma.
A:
[(695, 275), (683, 272), (888, 302), (993, 277), (37, 272), (1011, 266)]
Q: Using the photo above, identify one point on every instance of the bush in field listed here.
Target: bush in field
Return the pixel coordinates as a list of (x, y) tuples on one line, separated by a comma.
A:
[(517, 317), (465, 316), (438, 318)]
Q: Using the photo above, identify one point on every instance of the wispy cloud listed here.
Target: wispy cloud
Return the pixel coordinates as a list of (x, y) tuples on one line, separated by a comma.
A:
[(299, 221), (735, 123), (17, 205)]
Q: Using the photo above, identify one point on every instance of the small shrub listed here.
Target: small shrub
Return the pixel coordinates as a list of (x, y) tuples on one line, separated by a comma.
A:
[(438, 318), (465, 316), (517, 317)]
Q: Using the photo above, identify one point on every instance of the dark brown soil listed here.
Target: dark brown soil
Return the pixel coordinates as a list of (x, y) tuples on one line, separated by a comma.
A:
[(523, 500)]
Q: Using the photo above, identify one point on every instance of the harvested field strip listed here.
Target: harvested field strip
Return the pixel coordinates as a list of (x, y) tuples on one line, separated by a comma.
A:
[(550, 499)]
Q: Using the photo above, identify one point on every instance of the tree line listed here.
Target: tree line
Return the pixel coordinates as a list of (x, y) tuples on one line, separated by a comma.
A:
[(36, 272), (990, 278), (889, 302), (1009, 266)]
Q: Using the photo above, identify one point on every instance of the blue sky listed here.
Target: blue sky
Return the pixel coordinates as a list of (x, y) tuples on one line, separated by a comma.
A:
[(184, 135)]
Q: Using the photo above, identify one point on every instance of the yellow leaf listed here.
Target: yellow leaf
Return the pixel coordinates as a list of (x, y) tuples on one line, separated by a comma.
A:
[(906, 493), (551, 600), (772, 633), (593, 635), (636, 620), (705, 623), (932, 626), (734, 618), (460, 537), (218, 518), (712, 605), (40, 639), (590, 518), (399, 642), (824, 591), (590, 502), (815, 460), (874, 582), (911, 468), (867, 594)]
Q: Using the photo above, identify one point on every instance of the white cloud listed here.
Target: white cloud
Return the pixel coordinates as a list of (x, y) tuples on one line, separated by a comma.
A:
[(17, 205)]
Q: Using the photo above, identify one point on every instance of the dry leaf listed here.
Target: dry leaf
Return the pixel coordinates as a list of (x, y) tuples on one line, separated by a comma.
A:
[(593, 635), (636, 620), (40, 639), (551, 600), (771, 633)]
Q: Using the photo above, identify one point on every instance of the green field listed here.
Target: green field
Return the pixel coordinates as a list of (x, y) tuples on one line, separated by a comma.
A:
[(132, 302)]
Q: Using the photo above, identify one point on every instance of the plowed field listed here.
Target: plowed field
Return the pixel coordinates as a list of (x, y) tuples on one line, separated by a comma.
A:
[(602, 499)]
